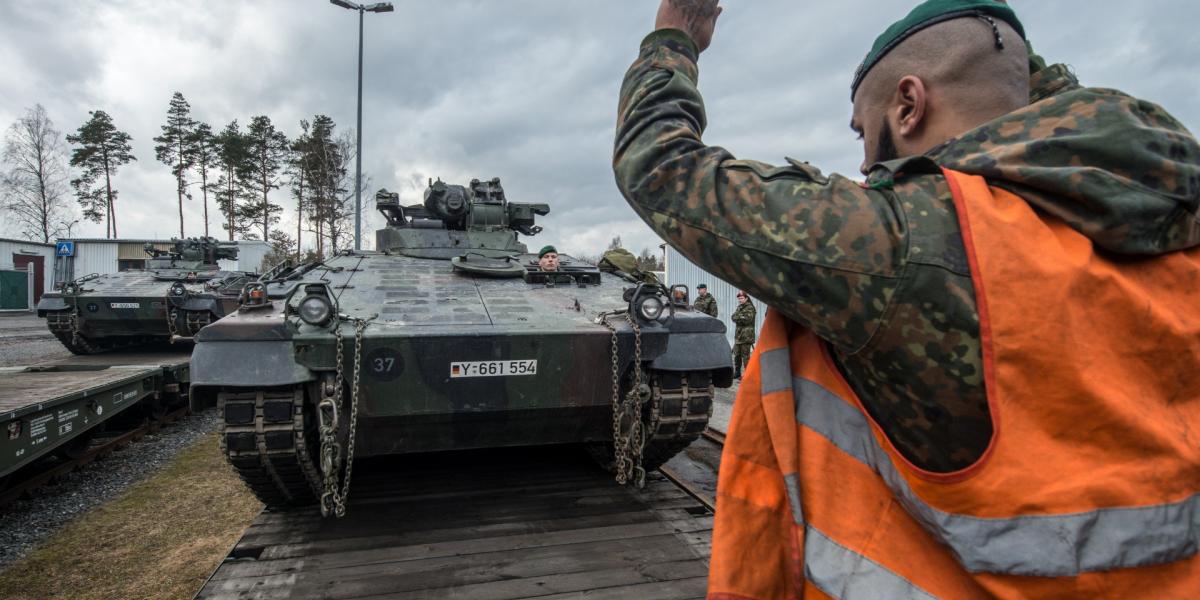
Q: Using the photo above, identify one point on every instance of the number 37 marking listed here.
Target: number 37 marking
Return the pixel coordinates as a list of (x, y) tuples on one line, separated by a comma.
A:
[(384, 364)]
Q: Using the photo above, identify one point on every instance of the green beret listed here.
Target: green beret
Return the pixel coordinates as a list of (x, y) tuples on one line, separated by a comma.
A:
[(928, 13), (702, 286), (546, 249)]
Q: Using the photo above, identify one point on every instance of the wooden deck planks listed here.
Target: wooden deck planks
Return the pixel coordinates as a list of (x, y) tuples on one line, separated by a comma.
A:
[(551, 529)]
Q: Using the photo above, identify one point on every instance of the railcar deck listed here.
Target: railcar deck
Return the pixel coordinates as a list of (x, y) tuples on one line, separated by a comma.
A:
[(498, 524), (47, 405)]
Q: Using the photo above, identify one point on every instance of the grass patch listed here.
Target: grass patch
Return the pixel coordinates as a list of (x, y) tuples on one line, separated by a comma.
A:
[(161, 539)]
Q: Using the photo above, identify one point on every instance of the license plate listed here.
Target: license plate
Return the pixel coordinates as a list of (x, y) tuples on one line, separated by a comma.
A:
[(493, 368), (124, 305)]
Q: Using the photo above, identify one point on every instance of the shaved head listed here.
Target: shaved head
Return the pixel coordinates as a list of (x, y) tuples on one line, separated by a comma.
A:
[(938, 84)]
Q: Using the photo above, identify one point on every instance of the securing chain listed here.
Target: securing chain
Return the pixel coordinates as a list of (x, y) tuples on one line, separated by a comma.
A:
[(333, 500), (629, 441), (75, 324), (172, 316)]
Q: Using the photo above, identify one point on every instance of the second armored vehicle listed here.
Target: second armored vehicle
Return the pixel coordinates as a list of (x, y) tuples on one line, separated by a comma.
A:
[(180, 291), (450, 336)]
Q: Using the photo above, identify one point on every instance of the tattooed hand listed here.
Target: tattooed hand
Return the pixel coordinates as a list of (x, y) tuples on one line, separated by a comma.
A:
[(697, 18)]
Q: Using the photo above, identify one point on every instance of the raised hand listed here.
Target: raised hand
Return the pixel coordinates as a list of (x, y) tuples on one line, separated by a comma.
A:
[(697, 18)]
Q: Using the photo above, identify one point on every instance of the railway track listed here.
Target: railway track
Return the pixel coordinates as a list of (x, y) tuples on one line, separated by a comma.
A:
[(38, 475), (495, 524)]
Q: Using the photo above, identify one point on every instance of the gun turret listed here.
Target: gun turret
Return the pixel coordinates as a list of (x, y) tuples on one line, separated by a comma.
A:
[(192, 253), (476, 216)]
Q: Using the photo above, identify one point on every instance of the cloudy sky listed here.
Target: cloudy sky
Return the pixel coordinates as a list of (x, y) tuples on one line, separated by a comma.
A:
[(521, 89)]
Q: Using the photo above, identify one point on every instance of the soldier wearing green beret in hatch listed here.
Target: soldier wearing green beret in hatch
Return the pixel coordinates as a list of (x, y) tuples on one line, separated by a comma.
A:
[(705, 303), (548, 258), (879, 273)]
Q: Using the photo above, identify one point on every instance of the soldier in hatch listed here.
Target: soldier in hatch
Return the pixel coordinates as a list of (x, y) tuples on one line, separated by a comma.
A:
[(548, 259), (705, 303)]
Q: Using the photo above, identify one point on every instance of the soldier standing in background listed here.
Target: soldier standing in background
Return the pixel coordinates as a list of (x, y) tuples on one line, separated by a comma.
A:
[(931, 410), (705, 303), (743, 335)]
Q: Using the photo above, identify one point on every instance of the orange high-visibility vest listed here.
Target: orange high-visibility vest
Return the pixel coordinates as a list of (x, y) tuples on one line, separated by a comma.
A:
[(1090, 486)]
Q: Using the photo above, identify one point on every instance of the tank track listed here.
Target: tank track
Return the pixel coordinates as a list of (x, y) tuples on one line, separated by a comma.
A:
[(685, 402), (59, 323), (266, 437)]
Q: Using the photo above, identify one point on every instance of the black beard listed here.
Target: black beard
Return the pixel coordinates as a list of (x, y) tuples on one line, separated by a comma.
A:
[(886, 150)]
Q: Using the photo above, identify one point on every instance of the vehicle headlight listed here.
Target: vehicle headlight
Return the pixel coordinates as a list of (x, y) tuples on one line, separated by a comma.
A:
[(650, 308), (177, 289), (315, 310)]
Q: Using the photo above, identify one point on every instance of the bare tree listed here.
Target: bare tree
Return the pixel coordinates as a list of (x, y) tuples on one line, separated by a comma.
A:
[(33, 185), (338, 216)]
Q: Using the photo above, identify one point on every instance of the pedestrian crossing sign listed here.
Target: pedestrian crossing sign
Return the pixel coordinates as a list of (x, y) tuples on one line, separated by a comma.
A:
[(64, 248)]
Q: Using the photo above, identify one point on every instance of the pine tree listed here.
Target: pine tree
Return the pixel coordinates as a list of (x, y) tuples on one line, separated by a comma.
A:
[(232, 155), (102, 150), (172, 148), (298, 170), (268, 151), (202, 145), (33, 182)]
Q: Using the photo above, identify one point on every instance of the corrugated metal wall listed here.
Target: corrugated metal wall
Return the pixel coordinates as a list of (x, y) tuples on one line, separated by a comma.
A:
[(250, 256), (681, 270), (137, 250), (95, 257)]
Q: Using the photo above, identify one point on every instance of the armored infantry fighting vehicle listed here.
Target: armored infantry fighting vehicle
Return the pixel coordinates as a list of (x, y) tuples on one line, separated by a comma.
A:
[(180, 291), (448, 337)]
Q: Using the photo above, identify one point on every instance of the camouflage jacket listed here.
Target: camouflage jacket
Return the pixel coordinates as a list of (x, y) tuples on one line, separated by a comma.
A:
[(707, 305), (743, 320), (877, 269)]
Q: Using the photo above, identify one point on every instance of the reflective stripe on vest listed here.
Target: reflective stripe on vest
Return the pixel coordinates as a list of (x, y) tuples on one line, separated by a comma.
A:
[(844, 573), (1034, 545)]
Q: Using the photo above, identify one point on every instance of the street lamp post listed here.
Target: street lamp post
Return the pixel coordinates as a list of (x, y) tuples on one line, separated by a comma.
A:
[(378, 7)]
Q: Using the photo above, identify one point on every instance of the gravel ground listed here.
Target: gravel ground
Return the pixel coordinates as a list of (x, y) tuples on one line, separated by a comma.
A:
[(29, 522), (24, 339)]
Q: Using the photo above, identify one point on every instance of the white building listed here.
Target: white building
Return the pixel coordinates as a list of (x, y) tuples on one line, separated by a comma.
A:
[(25, 273), (681, 270), (104, 256)]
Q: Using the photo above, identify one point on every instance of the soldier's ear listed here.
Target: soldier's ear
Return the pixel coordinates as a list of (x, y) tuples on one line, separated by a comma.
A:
[(910, 105)]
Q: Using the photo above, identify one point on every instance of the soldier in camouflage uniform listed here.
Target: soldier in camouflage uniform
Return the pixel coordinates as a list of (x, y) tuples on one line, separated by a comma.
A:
[(878, 269), (743, 334), (705, 303)]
